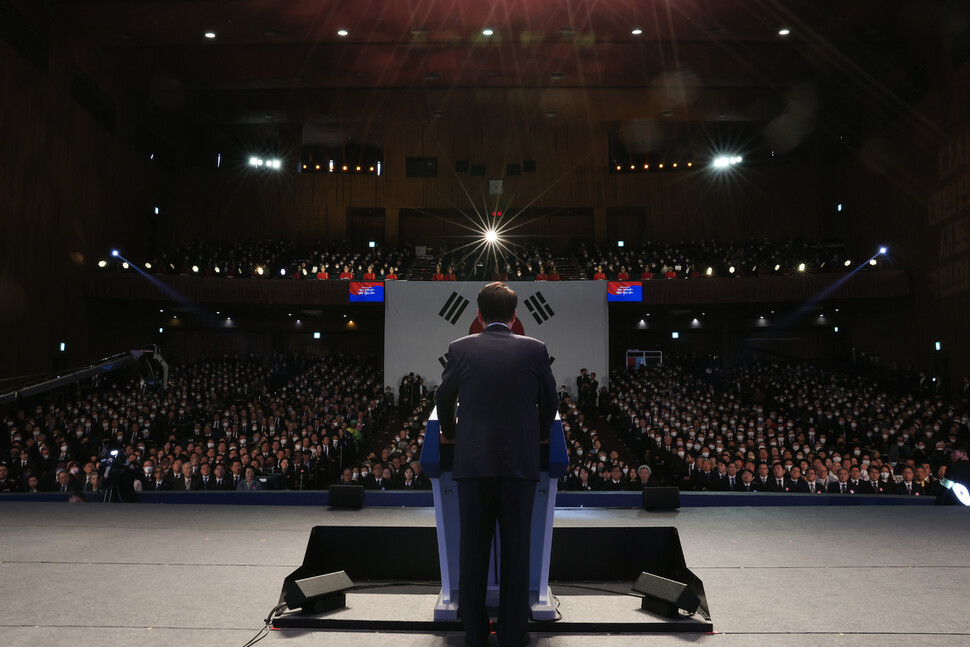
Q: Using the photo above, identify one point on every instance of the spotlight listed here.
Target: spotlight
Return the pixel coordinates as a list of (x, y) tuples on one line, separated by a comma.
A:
[(148, 266), (872, 262), (210, 34), (675, 335), (801, 267), (710, 271), (784, 32), (160, 330), (195, 268), (216, 269), (254, 161), (342, 32), (883, 250), (487, 32), (721, 162), (124, 265), (491, 236), (259, 270), (114, 252), (620, 243), (282, 271), (777, 267), (102, 263), (372, 244), (637, 32), (847, 263), (274, 164), (731, 270)]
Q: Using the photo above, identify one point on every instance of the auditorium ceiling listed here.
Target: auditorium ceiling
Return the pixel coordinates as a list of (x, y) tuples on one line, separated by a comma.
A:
[(691, 60)]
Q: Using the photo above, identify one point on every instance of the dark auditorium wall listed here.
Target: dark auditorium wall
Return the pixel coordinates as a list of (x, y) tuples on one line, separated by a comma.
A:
[(70, 187), (775, 198), (910, 186)]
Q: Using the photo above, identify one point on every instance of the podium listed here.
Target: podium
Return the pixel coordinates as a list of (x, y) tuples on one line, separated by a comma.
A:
[(436, 461)]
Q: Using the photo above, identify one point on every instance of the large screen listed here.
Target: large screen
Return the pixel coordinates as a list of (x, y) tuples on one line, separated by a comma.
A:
[(423, 317), (366, 292), (624, 291)]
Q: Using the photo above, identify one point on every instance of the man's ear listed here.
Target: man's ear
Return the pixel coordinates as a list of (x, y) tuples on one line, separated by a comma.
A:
[(480, 320), (513, 319)]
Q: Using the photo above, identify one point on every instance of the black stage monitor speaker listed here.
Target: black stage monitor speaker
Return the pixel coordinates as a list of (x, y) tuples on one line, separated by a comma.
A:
[(661, 498), (665, 597), (346, 496), (320, 593)]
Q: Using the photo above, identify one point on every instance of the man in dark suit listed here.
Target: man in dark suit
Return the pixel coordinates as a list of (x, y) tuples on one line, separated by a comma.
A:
[(508, 403)]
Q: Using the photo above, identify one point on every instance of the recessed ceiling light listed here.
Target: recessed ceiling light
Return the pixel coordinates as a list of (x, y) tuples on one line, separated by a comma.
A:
[(568, 31), (557, 76), (637, 31), (432, 76), (550, 112), (784, 32), (437, 114), (342, 32), (421, 31), (210, 34), (487, 32)]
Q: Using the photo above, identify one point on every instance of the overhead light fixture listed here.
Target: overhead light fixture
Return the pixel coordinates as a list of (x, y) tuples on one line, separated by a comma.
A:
[(102, 263), (342, 32), (801, 267), (883, 250), (637, 31), (487, 32), (872, 262), (784, 32), (210, 34)]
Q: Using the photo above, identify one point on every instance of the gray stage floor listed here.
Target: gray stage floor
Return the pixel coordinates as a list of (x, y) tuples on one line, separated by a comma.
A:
[(146, 575)]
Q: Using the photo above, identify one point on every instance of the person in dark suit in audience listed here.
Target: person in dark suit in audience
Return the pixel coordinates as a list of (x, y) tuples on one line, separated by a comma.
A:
[(856, 484), (798, 484), (760, 483), (814, 485), (907, 486), (747, 481), (615, 482), (508, 403), (779, 480), (249, 482), (841, 486)]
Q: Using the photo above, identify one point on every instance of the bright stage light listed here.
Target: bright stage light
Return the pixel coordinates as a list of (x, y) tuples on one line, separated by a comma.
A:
[(847, 263), (124, 265), (259, 270), (491, 236), (872, 262), (731, 270), (216, 269), (254, 161), (282, 271), (721, 162), (195, 268), (102, 263), (801, 267), (710, 271), (114, 252), (148, 265), (883, 250)]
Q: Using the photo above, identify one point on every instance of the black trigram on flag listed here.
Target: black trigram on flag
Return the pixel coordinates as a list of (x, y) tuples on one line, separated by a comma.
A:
[(443, 360), (539, 308), (454, 306)]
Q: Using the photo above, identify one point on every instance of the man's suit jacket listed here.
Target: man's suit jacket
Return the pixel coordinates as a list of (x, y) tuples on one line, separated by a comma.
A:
[(508, 403)]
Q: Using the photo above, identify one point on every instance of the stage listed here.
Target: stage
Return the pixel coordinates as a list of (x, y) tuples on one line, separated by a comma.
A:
[(143, 574)]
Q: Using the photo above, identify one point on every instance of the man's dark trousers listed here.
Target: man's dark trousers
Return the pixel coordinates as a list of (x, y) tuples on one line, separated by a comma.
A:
[(481, 503)]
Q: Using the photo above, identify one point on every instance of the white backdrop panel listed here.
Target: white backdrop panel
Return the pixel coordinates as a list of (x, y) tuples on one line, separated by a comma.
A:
[(422, 318)]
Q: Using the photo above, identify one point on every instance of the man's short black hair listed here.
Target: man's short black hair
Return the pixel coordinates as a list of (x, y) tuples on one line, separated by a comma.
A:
[(496, 302)]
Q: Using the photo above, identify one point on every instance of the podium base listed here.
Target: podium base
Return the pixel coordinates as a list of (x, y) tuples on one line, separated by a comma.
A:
[(446, 611), (543, 609)]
